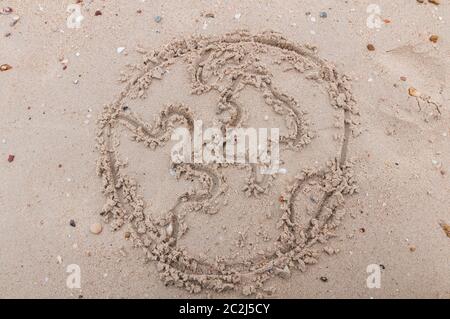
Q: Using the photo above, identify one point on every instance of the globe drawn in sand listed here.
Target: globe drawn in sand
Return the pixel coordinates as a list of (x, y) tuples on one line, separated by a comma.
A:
[(227, 66)]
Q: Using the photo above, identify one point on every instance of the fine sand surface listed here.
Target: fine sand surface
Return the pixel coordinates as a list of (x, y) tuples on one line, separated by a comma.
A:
[(358, 89)]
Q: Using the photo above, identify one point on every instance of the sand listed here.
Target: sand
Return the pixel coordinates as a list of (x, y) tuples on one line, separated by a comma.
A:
[(360, 95)]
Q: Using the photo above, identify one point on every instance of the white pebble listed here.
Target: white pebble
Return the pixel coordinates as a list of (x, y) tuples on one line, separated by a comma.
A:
[(96, 228), (237, 16), (120, 49)]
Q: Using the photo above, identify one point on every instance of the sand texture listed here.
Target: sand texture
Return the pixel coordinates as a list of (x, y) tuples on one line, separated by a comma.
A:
[(359, 91)]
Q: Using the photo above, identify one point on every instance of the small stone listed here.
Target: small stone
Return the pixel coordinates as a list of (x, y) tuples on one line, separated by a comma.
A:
[(403, 78), (11, 158), (421, 1), (59, 259), (324, 279), (434, 38), (98, 13), (370, 47), (120, 49), (96, 228), (323, 14), (210, 15), (436, 2), (412, 248), (237, 16), (5, 67), (158, 19), (72, 223)]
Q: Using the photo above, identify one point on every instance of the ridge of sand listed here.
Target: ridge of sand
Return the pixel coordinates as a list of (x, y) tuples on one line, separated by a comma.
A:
[(228, 64)]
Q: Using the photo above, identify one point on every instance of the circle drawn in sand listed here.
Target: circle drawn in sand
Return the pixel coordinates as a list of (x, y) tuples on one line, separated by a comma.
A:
[(228, 64)]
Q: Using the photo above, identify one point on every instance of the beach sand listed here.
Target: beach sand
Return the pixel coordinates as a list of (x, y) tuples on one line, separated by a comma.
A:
[(359, 90)]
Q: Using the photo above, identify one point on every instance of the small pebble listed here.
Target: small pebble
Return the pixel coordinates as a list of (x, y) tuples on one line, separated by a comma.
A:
[(98, 13), (323, 14), (96, 228), (237, 16), (72, 223), (324, 279), (158, 19), (412, 248), (11, 158), (370, 47), (120, 49), (59, 259), (436, 2)]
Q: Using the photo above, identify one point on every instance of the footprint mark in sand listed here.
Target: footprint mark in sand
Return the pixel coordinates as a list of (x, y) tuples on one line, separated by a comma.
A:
[(228, 64)]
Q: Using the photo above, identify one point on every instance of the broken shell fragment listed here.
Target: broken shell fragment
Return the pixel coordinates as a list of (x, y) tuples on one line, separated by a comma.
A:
[(413, 92), (5, 67), (434, 38)]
